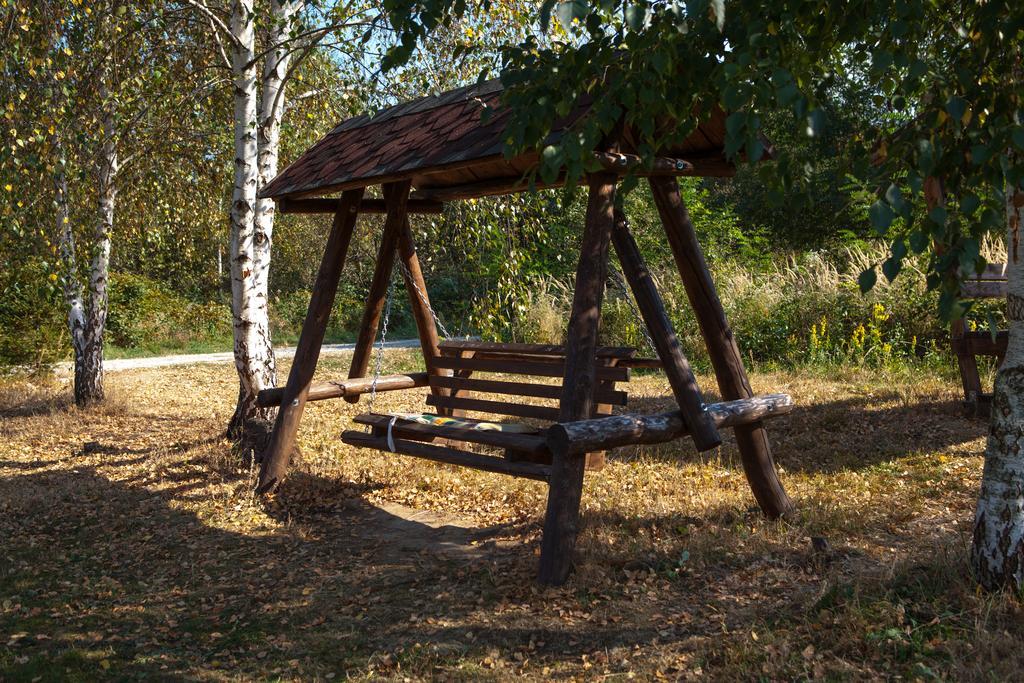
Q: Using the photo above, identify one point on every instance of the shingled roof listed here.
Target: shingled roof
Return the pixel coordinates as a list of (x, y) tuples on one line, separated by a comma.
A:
[(443, 146)]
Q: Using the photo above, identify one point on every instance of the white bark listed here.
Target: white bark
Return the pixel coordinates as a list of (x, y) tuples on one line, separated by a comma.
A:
[(89, 380), (70, 284), (272, 102), (254, 356), (997, 553)]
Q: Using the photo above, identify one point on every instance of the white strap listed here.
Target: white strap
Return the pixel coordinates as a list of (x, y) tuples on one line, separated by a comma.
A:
[(391, 440)]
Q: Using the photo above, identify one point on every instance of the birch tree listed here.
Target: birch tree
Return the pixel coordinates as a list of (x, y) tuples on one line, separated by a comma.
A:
[(257, 133), (258, 112), (94, 40), (997, 551), (70, 284), (271, 110), (254, 355), (89, 370)]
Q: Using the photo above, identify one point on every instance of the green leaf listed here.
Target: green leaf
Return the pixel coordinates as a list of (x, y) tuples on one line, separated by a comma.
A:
[(925, 156), (815, 123), (891, 268), (980, 154), (970, 252), (567, 11), (735, 123), (969, 204), (918, 241), (938, 215), (755, 149), (881, 216), (956, 107), (635, 16), (1018, 137), (993, 326), (895, 198), (899, 249), (787, 93), (733, 96), (551, 162), (867, 280)]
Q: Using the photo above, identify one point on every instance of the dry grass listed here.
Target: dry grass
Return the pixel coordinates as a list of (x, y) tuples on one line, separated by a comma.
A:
[(133, 548)]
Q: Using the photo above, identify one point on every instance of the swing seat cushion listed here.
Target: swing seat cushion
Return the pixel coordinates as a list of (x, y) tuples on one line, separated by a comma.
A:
[(444, 421)]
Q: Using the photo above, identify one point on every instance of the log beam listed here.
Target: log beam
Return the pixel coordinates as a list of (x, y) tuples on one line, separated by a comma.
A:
[(677, 369), (752, 439), (451, 456), (318, 205), (613, 162), (419, 302), (561, 522), (396, 195), (282, 441), (617, 162), (346, 388), (624, 430)]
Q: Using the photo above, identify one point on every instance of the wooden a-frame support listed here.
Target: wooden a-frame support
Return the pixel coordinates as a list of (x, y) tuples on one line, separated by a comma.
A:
[(398, 238), (604, 224), (752, 440), (307, 353)]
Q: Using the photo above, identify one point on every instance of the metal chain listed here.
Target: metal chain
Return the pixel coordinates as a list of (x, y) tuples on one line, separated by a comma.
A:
[(616, 276), (425, 300), (378, 365)]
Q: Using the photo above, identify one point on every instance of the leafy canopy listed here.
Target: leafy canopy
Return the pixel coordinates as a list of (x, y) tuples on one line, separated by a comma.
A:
[(945, 76)]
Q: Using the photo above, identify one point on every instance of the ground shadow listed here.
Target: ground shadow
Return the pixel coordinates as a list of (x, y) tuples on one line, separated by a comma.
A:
[(109, 578)]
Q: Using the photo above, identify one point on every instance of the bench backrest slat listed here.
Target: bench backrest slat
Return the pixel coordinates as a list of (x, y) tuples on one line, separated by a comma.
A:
[(492, 386), (538, 368), (984, 289), (989, 284), (556, 350), (456, 390)]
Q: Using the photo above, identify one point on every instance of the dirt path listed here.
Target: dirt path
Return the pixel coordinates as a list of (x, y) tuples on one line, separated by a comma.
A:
[(117, 364)]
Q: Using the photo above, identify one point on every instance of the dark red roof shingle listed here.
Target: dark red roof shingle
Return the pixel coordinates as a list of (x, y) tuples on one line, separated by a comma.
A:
[(417, 137)]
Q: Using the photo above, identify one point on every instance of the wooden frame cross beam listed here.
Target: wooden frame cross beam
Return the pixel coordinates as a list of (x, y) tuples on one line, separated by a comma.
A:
[(326, 205)]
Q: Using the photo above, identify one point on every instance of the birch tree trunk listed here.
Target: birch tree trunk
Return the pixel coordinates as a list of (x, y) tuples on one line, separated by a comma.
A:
[(70, 283), (997, 553), (271, 109), (89, 381), (254, 356)]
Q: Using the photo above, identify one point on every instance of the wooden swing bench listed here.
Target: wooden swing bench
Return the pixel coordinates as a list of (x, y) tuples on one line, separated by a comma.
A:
[(439, 149), (526, 450)]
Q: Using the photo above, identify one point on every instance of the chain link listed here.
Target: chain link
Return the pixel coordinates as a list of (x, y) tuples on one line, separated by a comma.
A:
[(378, 364), (616, 276), (425, 300)]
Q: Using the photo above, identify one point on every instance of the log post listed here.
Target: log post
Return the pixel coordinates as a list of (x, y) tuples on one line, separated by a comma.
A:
[(752, 439), (674, 363), (561, 522), (282, 440), (396, 196), (419, 301)]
